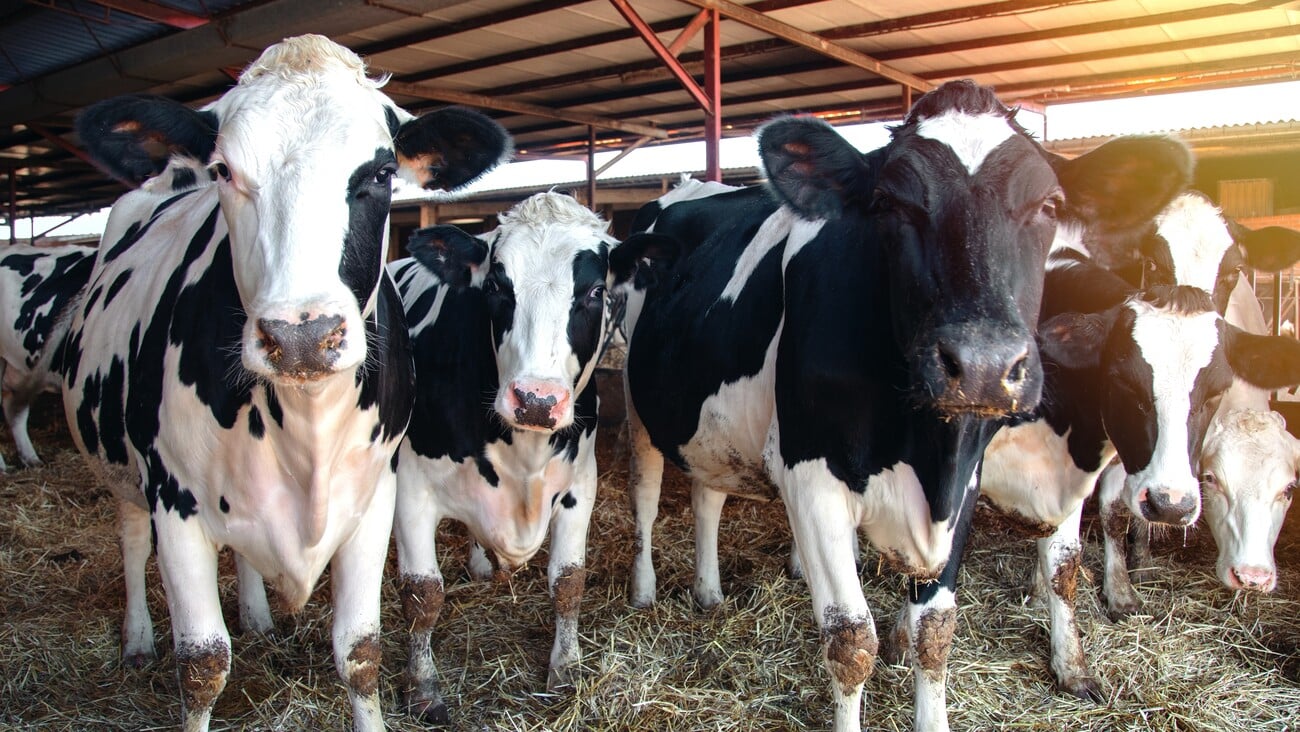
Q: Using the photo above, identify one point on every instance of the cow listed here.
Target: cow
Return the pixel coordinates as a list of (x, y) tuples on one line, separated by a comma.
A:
[(36, 285), (1135, 373), (239, 372), (1193, 244), (854, 332), (506, 329)]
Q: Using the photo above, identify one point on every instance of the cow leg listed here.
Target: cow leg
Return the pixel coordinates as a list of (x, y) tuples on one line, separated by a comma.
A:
[(566, 572), (422, 591), (1059, 557), (137, 626), (706, 505), (187, 561), (824, 529), (480, 567), (254, 610), (1121, 599), (1140, 562), (793, 565), (645, 477), (357, 572), (17, 406)]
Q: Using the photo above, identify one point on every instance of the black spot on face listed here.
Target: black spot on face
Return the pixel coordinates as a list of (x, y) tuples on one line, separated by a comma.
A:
[(224, 505), (369, 192), (568, 501), (256, 427)]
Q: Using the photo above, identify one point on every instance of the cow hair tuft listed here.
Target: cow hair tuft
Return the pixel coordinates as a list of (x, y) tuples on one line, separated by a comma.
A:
[(1182, 299), (307, 57), (550, 208), (963, 96)]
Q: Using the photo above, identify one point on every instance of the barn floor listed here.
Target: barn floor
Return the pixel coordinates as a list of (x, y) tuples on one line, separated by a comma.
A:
[(1201, 658)]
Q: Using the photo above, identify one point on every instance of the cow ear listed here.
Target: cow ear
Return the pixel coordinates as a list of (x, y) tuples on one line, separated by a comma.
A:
[(810, 167), (448, 252), (1268, 362), (450, 148), (1075, 340), (627, 258), (1125, 182), (1270, 249), (134, 136)]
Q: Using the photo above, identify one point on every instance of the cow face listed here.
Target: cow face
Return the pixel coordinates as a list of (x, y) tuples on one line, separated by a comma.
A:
[(1162, 361), (1250, 466), (302, 153), (963, 207), (544, 277), (1193, 244)]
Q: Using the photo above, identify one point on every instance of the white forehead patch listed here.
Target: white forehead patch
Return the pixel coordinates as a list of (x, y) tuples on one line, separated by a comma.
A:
[(1197, 238), (970, 137), (1177, 346)]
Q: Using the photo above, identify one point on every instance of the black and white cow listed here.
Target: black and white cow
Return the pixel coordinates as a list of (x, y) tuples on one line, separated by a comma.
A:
[(239, 371), (1248, 458), (36, 284), (1133, 372), (858, 331), (506, 329)]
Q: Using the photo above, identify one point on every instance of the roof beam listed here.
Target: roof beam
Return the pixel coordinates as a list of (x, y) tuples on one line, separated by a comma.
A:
[(811, 41), (666, 57), (155, 12), (442, 30), (423, 91)]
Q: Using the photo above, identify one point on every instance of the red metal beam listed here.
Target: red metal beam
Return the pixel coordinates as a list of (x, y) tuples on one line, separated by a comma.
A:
[(713, 90), (669, 60), (155, 12), (688, 32)]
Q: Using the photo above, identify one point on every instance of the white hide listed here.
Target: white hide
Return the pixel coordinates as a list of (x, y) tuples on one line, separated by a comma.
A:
[(970, 137)]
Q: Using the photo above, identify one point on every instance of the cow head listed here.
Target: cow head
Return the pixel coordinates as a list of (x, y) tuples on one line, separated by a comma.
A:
[(301, 154), (1191, 243), (545, 276), (1162, 360), (1250, 466)]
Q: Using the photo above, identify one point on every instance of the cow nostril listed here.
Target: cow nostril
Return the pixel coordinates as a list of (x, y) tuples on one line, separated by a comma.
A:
[(334, 340), (951, 365), (1018, 371)]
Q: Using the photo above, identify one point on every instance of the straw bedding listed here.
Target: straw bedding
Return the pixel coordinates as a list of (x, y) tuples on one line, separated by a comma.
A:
[(1200, 658)]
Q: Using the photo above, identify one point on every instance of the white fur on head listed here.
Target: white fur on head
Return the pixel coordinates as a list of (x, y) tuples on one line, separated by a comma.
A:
[(1197, 236)]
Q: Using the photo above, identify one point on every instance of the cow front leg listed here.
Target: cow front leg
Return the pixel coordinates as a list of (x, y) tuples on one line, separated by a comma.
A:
[(1059, 557), (17, 407), (566, 571), (824, 528), (421, 588), (1121, 598), (645, 478), (137, 626), (254, 610), (187, 561), (357, 572), (480, 567), (1141, 565), (706, 505)]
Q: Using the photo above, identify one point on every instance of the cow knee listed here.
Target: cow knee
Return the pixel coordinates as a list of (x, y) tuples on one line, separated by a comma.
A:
[(422, 599), (1065, 579), (202, 669), (567, 590), (851, 647), (361, 668), (934, 632)]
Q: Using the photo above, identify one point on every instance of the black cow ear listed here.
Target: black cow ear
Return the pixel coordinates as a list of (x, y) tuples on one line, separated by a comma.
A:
[(626, 258), (449, 253), (1075, 340), (450, 148), (810, 167), (1270, 249), (1268, 362), (134, 136), (1125, 182)]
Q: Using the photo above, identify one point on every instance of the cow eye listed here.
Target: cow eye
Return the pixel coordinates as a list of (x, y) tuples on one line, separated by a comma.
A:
[(596, 295), (1288, 491), (1050, 204), (384, 175), (219, 170), (1208, 480)]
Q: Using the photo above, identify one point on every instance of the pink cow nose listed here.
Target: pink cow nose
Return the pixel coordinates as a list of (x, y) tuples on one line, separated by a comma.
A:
[(1259, 579), (1167, 506), (538, 404)]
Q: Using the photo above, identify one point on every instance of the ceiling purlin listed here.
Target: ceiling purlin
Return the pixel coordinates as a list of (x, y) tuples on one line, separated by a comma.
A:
[(443, 30), (170, 17)]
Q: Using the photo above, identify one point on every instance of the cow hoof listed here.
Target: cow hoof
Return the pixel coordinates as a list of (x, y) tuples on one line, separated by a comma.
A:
[(136, 660), (1086, 688), (561, 678), (33, 463), (707, 598), (893, 649), (1121, 610), (1142, 576), (430, 711), (641, 601)]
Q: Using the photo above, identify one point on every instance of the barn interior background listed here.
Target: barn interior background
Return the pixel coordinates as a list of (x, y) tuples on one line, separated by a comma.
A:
[(610, 80)]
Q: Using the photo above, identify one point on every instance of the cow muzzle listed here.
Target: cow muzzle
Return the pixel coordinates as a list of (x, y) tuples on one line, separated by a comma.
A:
[(980, 369), (307, 349), (536, 405), (1254, 578), (1164, 505)]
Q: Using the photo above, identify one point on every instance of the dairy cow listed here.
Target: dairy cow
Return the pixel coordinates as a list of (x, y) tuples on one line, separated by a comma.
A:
[(36, 285), (239, 373), (506, 329), (1136, 373), (854, 332)]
